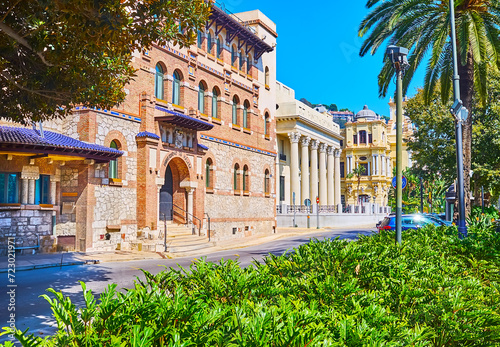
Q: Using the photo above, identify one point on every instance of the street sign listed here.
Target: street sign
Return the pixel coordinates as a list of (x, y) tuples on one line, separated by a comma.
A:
[(293, 197), (403, 180), (317, 200), (307, 202)]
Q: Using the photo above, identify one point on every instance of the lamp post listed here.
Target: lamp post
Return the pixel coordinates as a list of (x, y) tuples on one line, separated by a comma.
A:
[(398, 58), (460, 113)]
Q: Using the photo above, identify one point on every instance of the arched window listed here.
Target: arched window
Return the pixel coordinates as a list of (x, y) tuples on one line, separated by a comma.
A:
[(236, 174), (113, 164), (209, 42), (219, 48), (242, 61), (176, 89), (199, 41), (234, 56), (215, 95), (266, 124), (246, 106), (249, 65), (266, 77), (266, 182), (208, 173), (201, 97), (235, 110), (159, 82), (245, 179), (362, 136)]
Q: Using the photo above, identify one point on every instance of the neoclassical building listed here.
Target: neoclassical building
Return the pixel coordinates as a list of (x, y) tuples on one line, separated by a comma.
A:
[(407, 133), (309, 150), (194, 139), (366, 144)]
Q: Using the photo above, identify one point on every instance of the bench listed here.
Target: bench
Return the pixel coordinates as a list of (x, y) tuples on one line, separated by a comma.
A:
[(34, 247)]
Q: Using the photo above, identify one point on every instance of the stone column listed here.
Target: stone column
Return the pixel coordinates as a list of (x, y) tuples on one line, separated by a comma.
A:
[(323, 192), (190, 192), (314, 171), (31, 192), (389, 173), (304, 168), (378, 164), (24, 191), (330, 176), (338, 200), (383, 164), (53, 183), (294, 167)]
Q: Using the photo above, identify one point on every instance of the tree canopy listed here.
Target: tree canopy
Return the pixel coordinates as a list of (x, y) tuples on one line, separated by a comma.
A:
[(55, 54)]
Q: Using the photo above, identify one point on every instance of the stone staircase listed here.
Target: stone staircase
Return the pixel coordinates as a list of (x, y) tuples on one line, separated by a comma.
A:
[(181, 240)]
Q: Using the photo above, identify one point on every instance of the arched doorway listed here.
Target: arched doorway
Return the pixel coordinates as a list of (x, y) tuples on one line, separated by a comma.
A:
[(166, 195), (175, 194)]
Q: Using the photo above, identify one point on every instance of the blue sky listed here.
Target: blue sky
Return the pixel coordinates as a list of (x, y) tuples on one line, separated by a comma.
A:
[(318, 52)]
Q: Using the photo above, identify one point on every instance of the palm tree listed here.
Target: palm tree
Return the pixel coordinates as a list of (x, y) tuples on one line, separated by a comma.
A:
[(423, 27), (358, 172)]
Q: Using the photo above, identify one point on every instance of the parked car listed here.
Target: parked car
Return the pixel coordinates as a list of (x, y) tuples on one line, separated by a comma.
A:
[(438, 219), (408, 221)]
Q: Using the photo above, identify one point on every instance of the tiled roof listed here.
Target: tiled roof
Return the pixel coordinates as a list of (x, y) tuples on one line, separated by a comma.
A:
[(202, 146), (147, 134), (183, 120), (30, 140)]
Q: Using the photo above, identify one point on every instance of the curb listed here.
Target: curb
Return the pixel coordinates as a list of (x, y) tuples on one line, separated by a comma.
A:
[(45, 266)]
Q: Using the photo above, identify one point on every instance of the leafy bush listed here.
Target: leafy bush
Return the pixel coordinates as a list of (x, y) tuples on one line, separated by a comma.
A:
[(433, 290)]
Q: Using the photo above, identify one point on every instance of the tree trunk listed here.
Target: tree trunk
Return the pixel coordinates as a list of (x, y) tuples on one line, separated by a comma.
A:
[(466, 73)]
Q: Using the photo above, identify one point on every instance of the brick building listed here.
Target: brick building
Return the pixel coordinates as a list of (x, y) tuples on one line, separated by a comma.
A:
[(195, 138)]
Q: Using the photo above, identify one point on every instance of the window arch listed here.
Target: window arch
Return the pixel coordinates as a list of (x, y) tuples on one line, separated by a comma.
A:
[(113, 164), (236, 101), (266, 124), (234, 56), (209, 42), (209, 173), (159, 91), (267, 188), (249, 65), (215, 108), (219, 48), (199, 40), (201, 97), (266, 76), (246, 182), (176, 88), (236, 175), (246, 106)]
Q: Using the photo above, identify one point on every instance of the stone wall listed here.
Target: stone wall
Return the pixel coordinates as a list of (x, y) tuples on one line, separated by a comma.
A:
[(26, 225)]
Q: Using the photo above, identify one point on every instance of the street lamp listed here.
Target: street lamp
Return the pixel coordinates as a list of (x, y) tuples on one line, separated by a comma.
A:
[(398, 57), (460, 113)]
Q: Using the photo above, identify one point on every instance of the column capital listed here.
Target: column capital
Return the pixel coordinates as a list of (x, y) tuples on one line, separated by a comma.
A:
[(330, 150), (322, 147), (294, 137), (338, 152), (304, 141), (314, 144)]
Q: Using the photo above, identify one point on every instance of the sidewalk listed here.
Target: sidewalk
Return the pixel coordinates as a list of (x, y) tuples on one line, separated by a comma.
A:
[(45, 260)]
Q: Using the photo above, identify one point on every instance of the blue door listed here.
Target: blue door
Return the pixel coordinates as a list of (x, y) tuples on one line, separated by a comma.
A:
[(166, 192)]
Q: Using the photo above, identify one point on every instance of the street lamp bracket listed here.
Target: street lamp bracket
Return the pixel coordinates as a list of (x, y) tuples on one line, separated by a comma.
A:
[(398, 57)]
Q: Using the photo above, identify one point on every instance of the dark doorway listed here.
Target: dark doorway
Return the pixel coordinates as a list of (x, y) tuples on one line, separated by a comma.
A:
[(166, 192)]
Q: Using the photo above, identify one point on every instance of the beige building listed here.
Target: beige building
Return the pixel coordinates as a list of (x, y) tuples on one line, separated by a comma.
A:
[(366, 144), (308, 162), (407, 133)]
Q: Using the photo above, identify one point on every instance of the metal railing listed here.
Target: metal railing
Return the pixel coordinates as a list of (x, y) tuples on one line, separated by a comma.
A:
[(186, 216)]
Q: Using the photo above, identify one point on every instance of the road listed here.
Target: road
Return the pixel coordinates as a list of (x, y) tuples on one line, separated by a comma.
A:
[(34, 312)]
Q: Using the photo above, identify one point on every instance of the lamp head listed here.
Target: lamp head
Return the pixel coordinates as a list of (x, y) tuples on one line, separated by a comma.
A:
[(398, 56)]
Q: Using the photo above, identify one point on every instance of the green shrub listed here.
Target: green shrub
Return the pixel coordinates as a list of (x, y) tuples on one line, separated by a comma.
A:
[(433, 290)]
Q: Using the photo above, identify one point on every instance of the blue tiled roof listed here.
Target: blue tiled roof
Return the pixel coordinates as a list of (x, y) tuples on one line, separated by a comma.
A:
[(202, 146), (147, 134), (13, 138), (183, 120)]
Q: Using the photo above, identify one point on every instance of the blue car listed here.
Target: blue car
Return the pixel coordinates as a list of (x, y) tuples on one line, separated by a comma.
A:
[(409, 221)]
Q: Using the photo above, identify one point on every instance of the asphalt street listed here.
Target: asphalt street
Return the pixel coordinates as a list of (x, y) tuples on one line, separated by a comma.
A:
[(34, 312)]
